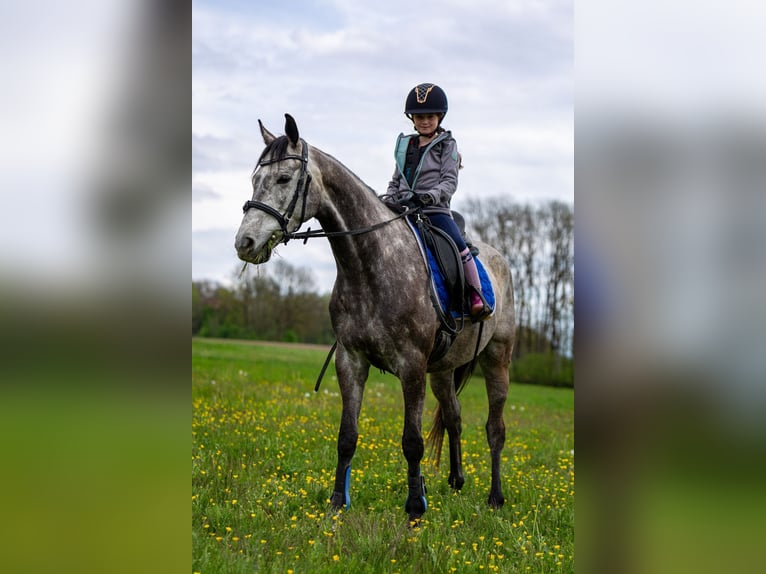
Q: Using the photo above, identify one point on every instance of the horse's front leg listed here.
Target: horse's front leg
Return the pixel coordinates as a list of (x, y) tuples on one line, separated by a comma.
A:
[(414, 390), (352, 373)]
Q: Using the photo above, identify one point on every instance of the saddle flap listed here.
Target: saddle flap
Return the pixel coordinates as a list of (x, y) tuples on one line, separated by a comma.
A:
[(447, 257)]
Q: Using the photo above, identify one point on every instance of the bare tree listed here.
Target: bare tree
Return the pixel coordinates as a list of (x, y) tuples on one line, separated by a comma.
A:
[(538, 242)]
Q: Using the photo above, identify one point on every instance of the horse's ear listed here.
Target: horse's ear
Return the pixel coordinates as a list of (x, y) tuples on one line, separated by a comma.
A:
[(291, 129), (268, 137)]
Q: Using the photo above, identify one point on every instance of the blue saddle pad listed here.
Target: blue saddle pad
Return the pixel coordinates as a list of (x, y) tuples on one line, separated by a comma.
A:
[(438, 279)]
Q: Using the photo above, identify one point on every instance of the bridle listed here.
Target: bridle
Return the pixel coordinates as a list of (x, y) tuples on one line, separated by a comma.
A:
[(303, 189)]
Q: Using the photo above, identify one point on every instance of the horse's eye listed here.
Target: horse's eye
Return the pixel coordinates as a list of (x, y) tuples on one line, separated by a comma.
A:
[(282, 179)]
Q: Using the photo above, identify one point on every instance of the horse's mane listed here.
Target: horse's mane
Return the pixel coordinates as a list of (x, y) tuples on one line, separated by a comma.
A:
[(278, 149), (278, 146)]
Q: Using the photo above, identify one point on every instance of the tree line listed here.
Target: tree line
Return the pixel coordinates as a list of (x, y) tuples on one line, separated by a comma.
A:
[(538, 243), (274, 303), (280, 302)]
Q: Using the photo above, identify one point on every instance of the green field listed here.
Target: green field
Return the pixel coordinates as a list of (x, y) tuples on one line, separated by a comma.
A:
[(263, 463)]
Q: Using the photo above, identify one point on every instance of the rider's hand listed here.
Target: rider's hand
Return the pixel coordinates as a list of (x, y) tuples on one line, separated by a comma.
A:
[(425, 199), (404, 197)]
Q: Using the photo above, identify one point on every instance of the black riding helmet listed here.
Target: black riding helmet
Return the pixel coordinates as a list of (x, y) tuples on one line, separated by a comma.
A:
[(426, 99)]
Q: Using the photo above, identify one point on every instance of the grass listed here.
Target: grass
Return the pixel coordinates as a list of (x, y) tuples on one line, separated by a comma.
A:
[(263, 462)]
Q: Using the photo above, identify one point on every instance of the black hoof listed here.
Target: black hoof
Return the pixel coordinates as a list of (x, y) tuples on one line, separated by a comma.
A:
[(496, 500), (415, 507), (416, 497), (337, 500), (456, 482)]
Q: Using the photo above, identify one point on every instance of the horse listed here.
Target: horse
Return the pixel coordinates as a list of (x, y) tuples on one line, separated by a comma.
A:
[(381, 312)]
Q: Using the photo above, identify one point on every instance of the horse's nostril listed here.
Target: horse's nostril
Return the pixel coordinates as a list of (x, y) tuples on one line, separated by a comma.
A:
[(245, 242)]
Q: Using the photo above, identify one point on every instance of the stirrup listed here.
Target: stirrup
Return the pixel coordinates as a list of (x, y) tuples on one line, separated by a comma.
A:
[(480, 314)]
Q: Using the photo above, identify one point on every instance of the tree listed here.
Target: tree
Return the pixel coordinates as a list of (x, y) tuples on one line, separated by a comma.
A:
[(538, 243), (276, 303)]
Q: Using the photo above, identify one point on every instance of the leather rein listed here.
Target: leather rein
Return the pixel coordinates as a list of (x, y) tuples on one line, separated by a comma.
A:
[(302, 189)]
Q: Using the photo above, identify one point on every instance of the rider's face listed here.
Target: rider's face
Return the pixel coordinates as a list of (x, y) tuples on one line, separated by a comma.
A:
[(425, 123)]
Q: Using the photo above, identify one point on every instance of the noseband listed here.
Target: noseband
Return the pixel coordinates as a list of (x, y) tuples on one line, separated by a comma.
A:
[(302, 188)]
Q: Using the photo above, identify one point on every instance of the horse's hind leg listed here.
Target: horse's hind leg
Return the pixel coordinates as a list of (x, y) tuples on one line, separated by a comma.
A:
[(443, 387), (414, 390), (494, 363), (352, 374)]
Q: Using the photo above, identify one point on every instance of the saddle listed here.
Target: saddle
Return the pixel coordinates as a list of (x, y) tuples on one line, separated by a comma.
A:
[(444, 251), (440, 246)]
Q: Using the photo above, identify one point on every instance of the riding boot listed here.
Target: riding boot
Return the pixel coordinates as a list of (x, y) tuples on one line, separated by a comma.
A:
[(477, 306)]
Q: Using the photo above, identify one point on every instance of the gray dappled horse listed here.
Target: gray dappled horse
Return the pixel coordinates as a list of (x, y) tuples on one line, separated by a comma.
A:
[(380, 307)]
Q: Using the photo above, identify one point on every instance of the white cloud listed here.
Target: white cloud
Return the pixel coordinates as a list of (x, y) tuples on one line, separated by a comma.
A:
[(343, 68)]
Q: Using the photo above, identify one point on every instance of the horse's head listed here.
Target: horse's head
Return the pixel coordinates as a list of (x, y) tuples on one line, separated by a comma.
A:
[(281, 199)]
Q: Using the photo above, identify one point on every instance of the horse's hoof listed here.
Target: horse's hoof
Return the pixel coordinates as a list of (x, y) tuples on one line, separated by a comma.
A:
[(416, 499), (338, 500), (496, 500), (456, 482), (416, 507)]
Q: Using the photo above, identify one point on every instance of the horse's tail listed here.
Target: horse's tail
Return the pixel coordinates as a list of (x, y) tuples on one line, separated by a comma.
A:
[(435, 438)]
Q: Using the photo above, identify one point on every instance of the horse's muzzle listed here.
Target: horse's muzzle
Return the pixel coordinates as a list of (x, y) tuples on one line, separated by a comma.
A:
[(248, 250)]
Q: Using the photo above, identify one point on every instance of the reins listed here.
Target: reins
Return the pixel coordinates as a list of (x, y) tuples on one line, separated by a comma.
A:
[(302, 188), (311, 234)]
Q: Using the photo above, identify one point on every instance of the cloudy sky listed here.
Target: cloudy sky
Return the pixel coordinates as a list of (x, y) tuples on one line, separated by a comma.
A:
[(343, 68)]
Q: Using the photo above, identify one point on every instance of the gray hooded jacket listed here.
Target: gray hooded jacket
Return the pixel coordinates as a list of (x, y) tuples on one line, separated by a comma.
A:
[(436, 174)]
